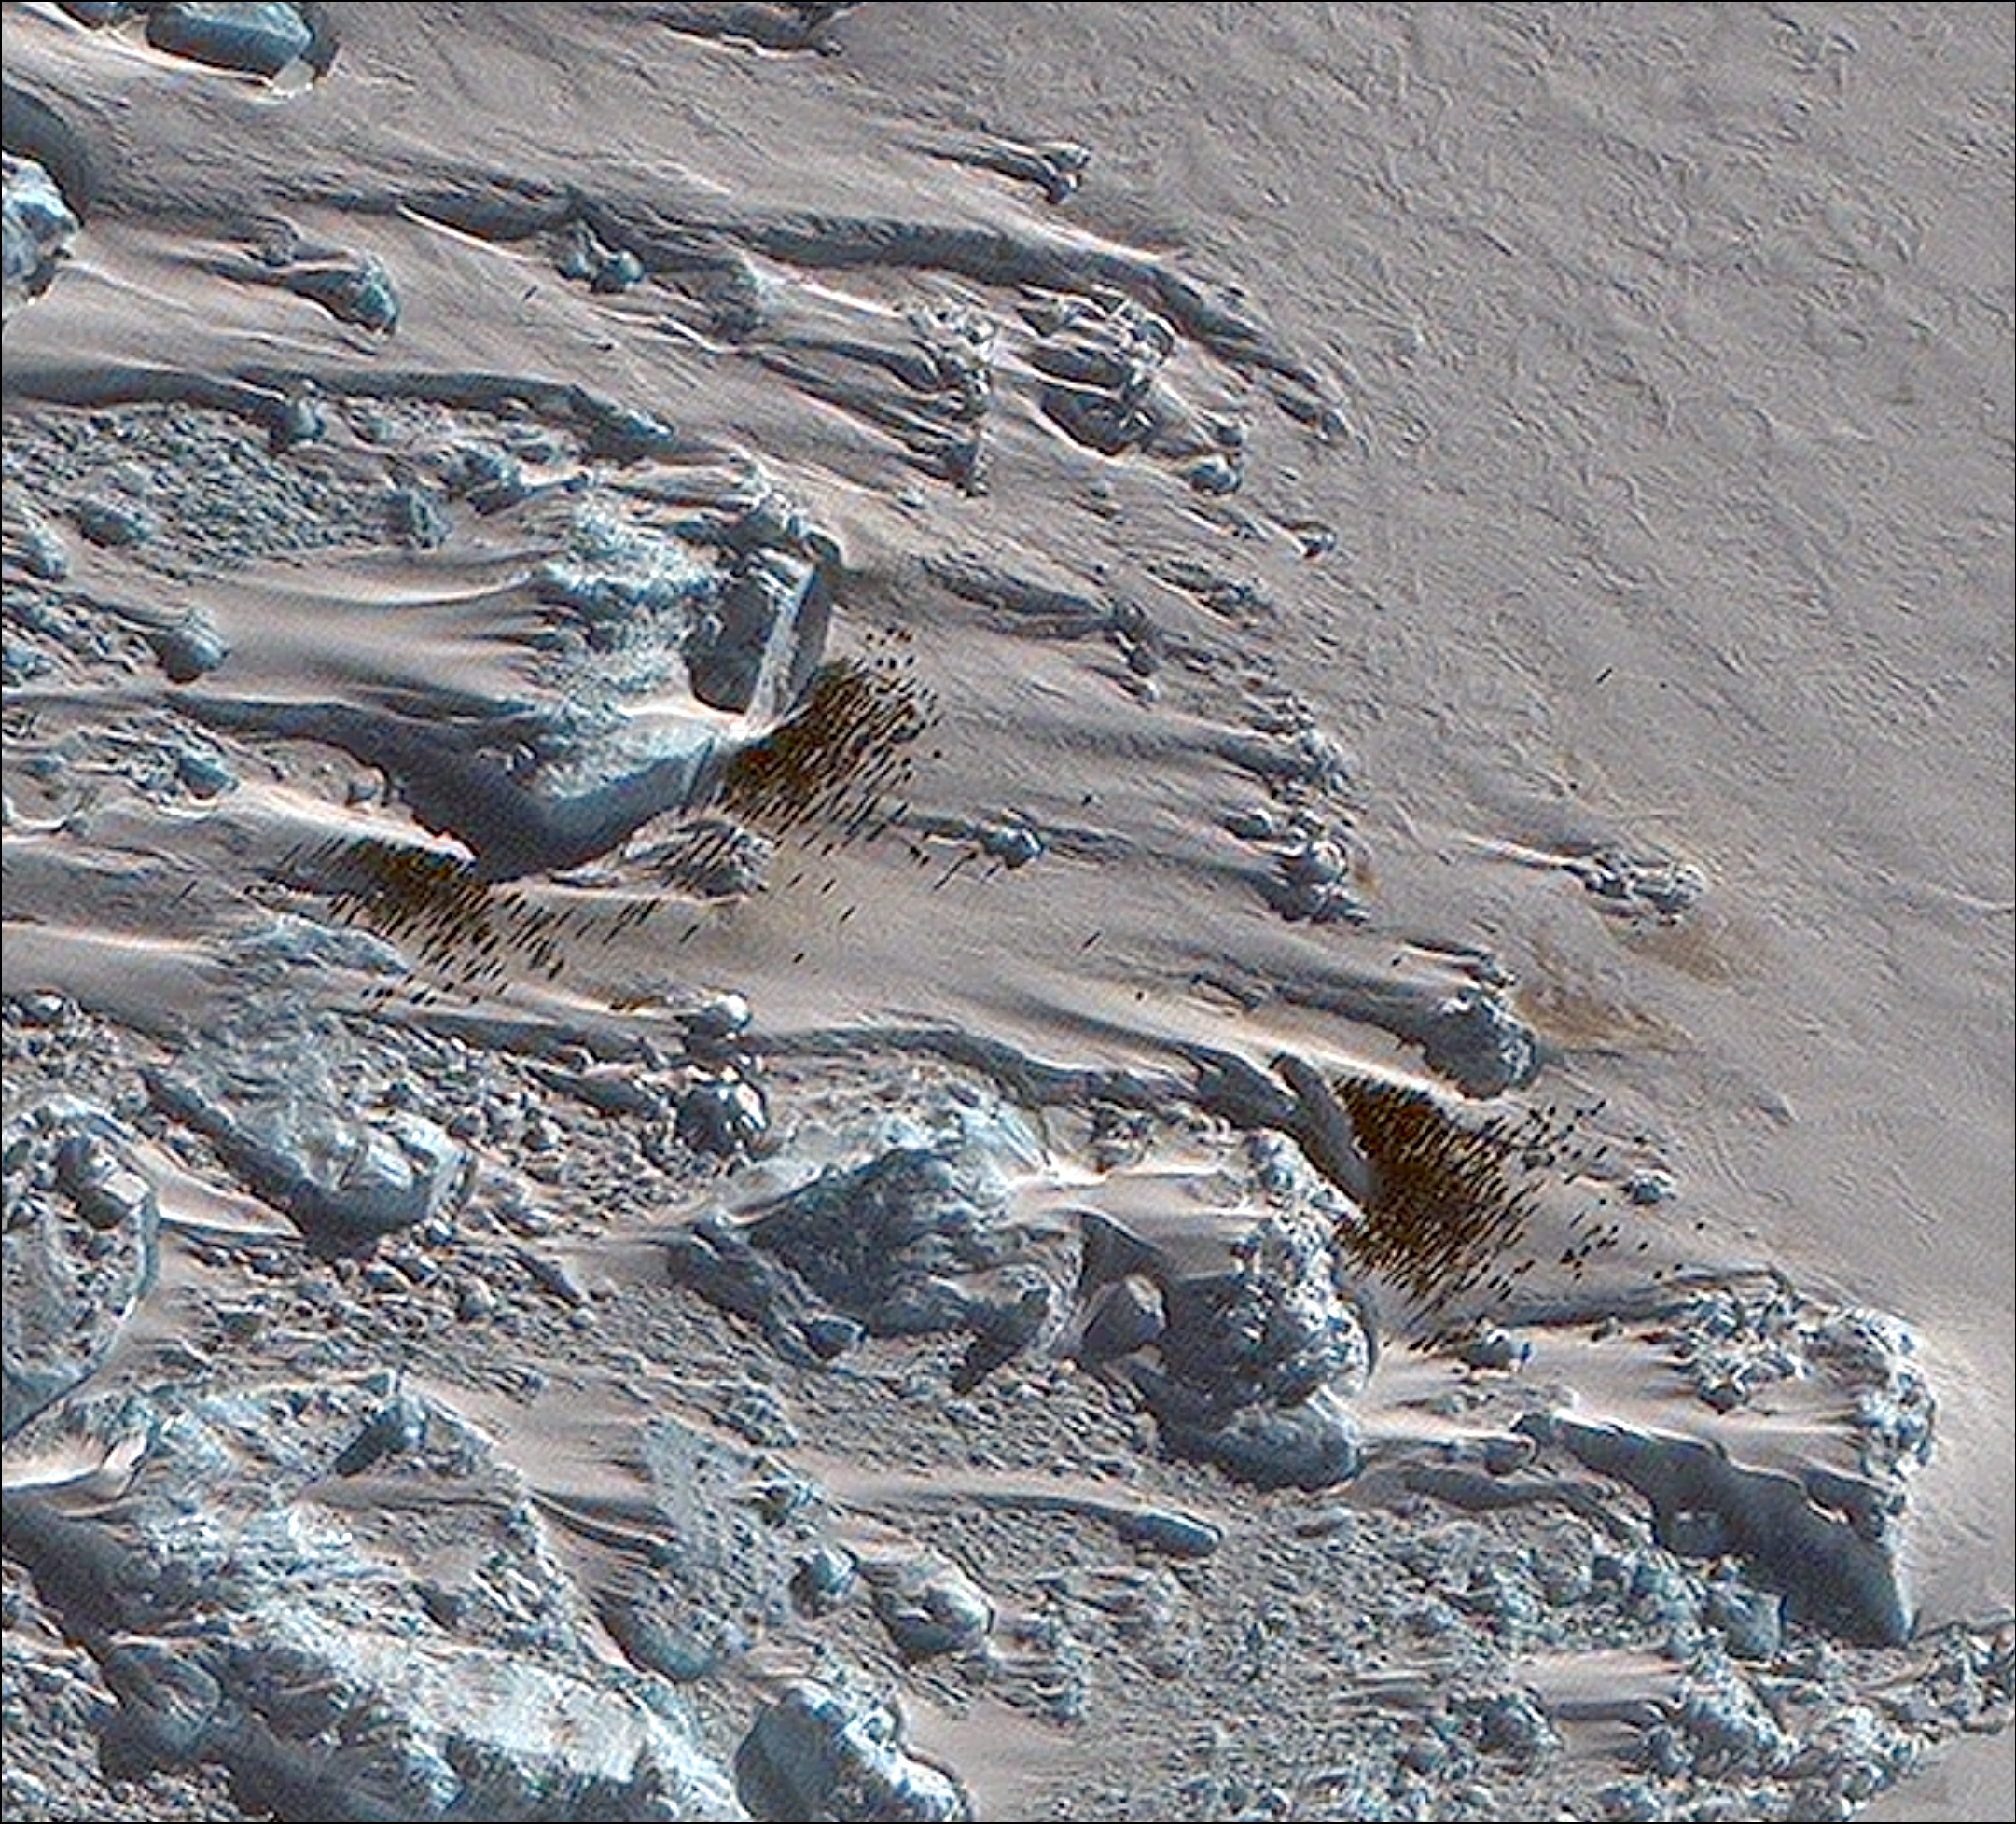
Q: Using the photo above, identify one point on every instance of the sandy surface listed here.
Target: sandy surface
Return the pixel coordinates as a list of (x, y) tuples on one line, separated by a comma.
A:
[(1467, 546)]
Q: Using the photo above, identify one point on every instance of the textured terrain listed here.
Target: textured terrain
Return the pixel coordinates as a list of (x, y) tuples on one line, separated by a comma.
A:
[(1008, 912)]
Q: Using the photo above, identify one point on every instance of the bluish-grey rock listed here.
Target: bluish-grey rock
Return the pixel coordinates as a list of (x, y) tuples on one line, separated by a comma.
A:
[(732, 1530), (581, 255), (1494, 1349), (1727, 1728), (1312, 881), (204, 772), (417, 517), (723, 1115), (1256, 1360), (328, 1657), (1475, 1039), (823, 1579), (261, 39), (1121, 1318), (352, 290), (296, 420), (832, 1752), (188, 648), (1171, 1534), (929, 1606), (42, 550), (277, 1111), (1751, 1620), (80, 1250), (884, 1243), (117, 521), (1311, 1444), (36, 228), (1835, 1563), (755, 651), (1511, 1723)]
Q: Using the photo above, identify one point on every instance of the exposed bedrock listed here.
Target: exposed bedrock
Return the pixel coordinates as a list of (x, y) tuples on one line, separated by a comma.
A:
[(897, 1245), (1245, 1354), (835, 1751), (80, 1250), (1127, 306), (732, 1531), (1102, 360), (1253, 1361), (777, 25), (1056, 166), (36, 228), (335, 1656), (653, 631), (260, 39), (286, 1113), (1826, 1542), (353, 288)]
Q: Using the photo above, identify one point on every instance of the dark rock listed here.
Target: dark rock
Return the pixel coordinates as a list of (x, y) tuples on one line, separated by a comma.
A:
[(829, 1753), (79, 1251), (1649, 1186), (732, 1533), (397, 1428), (1479, 1044), (1124, 1317), (1012, 844), (1831, 1571), (36, 226), (417, 518), (1751, 1620), (116, 522), (882, 1242), (344, 1175), (1002, 1328), (1276, 1327), (353, 290), (823, 1579), (1494, 1349), (723, 1115), (346, 1671), (929, 1606), (296, 421), (1174, 1535), (44, 1008), (765, 636), (188, 649), (259, 39), (203, 772), (829, 1335), (1313, 1444), (716, 1022)]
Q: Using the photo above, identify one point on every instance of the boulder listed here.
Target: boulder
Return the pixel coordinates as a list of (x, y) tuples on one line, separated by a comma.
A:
[(259, 39), (833, 1752), (36, 228)]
